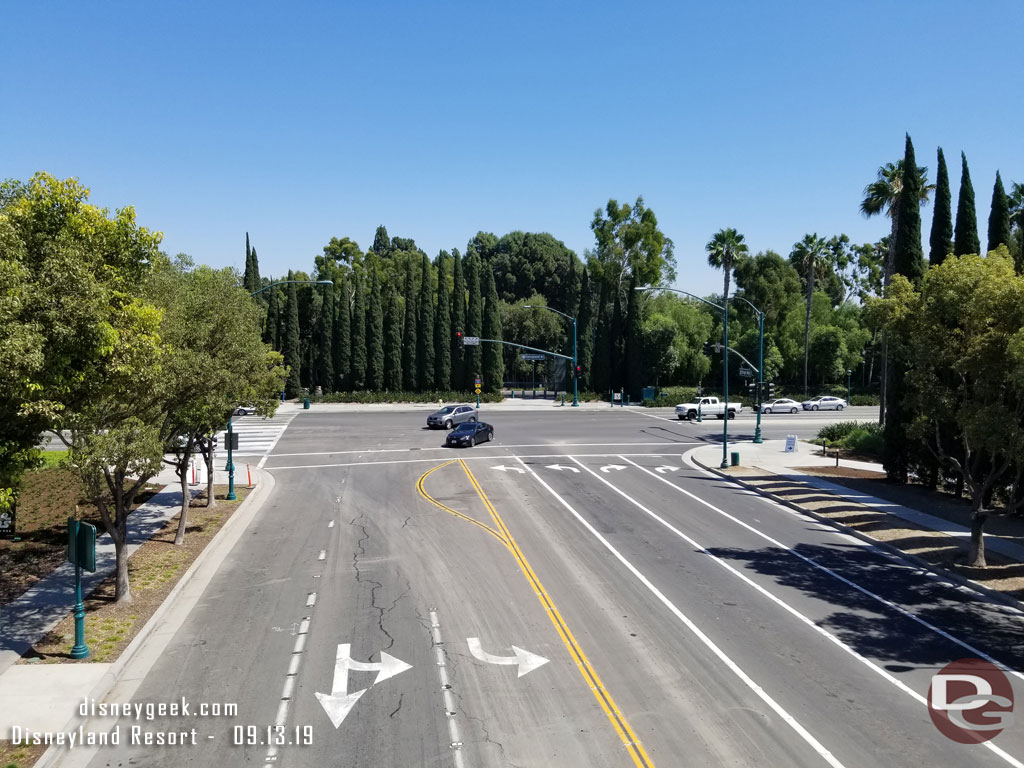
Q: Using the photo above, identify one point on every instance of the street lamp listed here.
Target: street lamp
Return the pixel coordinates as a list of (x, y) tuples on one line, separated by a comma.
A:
[(725, 366), (849, 373), (760, 366), (575, 377), (230, 467)]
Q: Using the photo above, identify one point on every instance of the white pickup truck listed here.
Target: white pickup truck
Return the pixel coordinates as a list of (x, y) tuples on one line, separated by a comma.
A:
[(709, 406)]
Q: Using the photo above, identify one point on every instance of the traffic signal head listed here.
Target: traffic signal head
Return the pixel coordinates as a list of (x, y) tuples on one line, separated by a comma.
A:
[(458, 337)]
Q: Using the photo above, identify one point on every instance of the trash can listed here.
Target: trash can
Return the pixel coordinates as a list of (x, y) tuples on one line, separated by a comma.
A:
[(305, 405), (734, 458)]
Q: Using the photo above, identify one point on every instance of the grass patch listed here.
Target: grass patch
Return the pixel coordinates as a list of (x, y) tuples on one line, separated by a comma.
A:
[(21, 756)]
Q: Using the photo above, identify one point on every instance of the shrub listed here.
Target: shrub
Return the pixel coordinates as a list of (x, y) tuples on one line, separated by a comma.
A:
[(837, 432), (865, 440), (864, 400), (372, 396)]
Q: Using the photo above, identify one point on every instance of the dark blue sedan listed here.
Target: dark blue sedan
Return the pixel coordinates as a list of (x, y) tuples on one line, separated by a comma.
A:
[(469, 433)]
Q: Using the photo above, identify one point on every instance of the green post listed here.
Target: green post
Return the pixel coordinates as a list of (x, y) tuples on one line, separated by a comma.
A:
[(80, 650), (848, 398), (230, 467), (760, 375), (725, 385), (81, 552)]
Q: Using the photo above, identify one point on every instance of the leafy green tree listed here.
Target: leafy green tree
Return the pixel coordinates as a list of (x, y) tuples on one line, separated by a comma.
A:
[(585, 331), (409, 338), (493, 367), (392, 341), (375, 334), (725, 250), (616, 343), (633, 342), (526, 263), (941, 238), (326, 340), (358, 333), (630, 243), (484, 245), (1016, 198), (965, 238), (963, 340), (443, 328), (425, 323), (601, 363), (808, 257), (272, 325), (458, 322), (521, 323), (999, 220), (474, 319), (342, 339), (292, 353)]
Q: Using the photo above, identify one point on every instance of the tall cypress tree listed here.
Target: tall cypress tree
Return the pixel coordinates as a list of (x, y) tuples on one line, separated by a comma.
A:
[(585, 332), (908, 261), (474, 319), (327, 340), (443, 328), (375, 334), (425, 337), (409, 335), (247, 277), (571, 299), (381, 242), (940, 241), (616, 351), (359, 332), (393, 342), (493, 365), (999, 217), (601, 364), (342, 348), (634, 338), (966, 238), (908, 255), (273, 321), (458, 321), (292, 350)]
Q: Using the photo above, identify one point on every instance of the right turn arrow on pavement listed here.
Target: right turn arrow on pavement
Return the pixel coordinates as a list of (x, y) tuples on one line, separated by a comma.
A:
[(526, 660)]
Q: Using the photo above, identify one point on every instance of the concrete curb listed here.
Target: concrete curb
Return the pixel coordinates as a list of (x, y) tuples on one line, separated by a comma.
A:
[(208, 562), (941, 573)]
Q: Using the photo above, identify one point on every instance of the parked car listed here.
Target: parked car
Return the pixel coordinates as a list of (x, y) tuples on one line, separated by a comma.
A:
[(245, 410), (780, 405), (469, 433), (451, 415), (824, 403)]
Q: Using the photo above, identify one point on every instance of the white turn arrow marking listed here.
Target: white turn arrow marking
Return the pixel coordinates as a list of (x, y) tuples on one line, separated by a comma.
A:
[(608, 467), (665, 468), (560, 467), (527, 661), (503, 468), (339, 702)]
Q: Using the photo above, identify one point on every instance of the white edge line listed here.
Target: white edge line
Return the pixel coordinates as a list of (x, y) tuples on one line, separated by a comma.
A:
[(496, 457), (482, 447), (817, 746), (778, 601)]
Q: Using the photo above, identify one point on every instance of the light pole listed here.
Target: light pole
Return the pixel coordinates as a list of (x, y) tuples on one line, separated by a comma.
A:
[(760, 366), (575, 377), (230, 467), (849, 373), (725, 366)]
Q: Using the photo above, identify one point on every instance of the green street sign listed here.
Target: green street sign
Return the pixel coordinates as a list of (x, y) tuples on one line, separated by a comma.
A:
[(82, 544)]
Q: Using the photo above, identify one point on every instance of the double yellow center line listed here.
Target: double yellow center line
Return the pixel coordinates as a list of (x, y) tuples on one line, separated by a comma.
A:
[(501, 532)]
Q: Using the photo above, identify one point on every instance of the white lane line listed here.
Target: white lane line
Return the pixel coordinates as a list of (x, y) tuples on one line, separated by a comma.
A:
[(289, 688), (653, 416), (825, 569), (330, 524), (782, 604), (322, 555), (466, 458), (483, 447), (733, 667), (311, 599), (446, 691)]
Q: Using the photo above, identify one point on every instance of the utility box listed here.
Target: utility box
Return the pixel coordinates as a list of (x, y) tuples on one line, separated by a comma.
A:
[(647, 393)]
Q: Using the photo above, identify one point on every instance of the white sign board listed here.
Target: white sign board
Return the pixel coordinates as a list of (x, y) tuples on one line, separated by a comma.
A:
[(790, 443), (471, 341), (616, 396)]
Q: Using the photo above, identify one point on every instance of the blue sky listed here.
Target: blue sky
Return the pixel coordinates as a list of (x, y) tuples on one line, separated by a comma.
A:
[(439, 119)]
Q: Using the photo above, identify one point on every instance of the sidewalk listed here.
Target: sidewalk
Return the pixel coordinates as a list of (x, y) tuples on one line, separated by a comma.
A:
[(768, 470), (29, 692)]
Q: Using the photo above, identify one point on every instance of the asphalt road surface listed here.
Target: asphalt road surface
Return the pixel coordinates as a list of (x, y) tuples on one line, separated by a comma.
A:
[(572, 594)]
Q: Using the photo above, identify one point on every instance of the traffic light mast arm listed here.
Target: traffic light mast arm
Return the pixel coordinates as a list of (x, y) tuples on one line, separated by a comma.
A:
[(741, 357), (522, 346)]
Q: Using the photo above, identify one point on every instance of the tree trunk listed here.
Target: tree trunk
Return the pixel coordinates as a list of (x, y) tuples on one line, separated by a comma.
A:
[(883, 375), (976, 556), (211, 500), (182, 471), (122, 590)]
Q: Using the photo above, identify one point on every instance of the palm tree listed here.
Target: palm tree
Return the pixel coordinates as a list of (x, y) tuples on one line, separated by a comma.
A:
[(808, 256), (883, 195), (725, 249)]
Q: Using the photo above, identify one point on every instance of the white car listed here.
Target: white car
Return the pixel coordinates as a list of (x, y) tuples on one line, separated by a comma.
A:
[(245, 410), (824, 403), (780, 405)]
